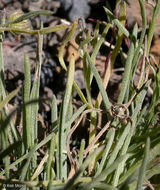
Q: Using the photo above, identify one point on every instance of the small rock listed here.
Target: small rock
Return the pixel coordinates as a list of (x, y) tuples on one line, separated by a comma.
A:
[(76, 8), (79, 9), (14, 60)]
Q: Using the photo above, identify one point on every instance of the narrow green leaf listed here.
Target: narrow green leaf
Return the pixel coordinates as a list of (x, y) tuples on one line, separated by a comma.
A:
[(128, 66), (30, 15), (46, 30), (19, 30), (35, 91), (140, 101), (54, 109), (119, 145), (129, 172), (154, 152), (51, 157), (120, 167), (155, 170), (27, 81), (100, 42), (66, 40), (117, 22), (142, 170), (62, 136), (96, 49), (152, 25), (34, 112), (8, 98), (104, 174), (110, 136), (100, 83), (26, 97), (144, 26), (51, 29), (81, 151), (69, 113), (104, 186), (2, 83), (26, 166)]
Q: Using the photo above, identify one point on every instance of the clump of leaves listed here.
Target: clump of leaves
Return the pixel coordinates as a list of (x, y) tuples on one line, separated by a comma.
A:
[(127, 156)]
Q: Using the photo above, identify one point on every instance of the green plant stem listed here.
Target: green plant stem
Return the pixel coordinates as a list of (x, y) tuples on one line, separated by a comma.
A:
[(106, 101), (54, 110), (92, 134), (118, 146), (128, 66), (27, 133), (51, 157), (35, 92), (110, 138), (62, 136), (143, 166), (2, 84), (82, 147), (152, 26), (34, 107), (96, 50), (86, 78), (143, 32), (43, 31)]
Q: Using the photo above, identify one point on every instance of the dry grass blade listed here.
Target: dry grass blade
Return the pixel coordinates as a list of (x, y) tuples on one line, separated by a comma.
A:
[(39, 168), (73, 129), (97, 138)]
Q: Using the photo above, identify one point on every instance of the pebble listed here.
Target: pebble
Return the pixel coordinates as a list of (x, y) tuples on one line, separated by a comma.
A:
[(76, 8)]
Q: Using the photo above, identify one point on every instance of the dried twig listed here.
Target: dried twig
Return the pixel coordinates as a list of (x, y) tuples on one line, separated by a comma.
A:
[(96, 138), (74, 128)]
